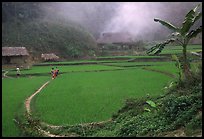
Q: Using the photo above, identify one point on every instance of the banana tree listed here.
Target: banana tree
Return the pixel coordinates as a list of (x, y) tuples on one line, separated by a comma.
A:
[(181, 35)]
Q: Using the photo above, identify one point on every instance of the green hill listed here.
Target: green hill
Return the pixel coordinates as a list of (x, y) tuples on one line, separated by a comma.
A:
[(67, 40), (23, 27)]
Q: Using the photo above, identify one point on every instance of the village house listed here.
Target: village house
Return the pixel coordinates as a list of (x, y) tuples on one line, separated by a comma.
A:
[(17, 56), (113, 42), (115, 37), (49, 57)]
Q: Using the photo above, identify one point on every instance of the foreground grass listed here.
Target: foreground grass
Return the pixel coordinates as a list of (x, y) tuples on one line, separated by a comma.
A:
[(90, 97), (14, 93)]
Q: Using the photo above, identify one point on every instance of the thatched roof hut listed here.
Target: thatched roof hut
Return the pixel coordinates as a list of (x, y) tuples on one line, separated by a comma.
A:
[(14, 51), (49, 57), (15, 56)]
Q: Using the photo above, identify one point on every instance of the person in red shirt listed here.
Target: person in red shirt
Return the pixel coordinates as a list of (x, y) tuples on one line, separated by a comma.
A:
[(57, 71)]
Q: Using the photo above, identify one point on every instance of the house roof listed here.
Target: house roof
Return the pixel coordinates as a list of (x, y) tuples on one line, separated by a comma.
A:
[(50, 56), (115, 37), (14, 51)]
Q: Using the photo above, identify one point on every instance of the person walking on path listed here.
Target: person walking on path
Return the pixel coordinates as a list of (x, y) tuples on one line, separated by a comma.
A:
[(56, 71), (18, 72)]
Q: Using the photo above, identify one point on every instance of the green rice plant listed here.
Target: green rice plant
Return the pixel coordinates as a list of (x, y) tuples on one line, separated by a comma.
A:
[(175, 51), (178, 47), (170, 67), (94, 96), (133, 64), (79, 62), (142, 56), (14, 93), (45, 70)]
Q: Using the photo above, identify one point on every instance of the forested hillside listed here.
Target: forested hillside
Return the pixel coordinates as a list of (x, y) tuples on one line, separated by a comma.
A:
[(24, 25)]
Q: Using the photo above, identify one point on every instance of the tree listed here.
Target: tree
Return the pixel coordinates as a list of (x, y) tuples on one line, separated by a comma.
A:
[(181, 35), (24, 11)]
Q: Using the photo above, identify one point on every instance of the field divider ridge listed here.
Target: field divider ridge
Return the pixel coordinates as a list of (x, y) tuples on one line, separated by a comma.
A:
[(159, 71)]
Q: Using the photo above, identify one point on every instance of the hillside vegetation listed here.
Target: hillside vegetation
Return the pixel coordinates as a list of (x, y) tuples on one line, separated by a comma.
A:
[(22, 27)]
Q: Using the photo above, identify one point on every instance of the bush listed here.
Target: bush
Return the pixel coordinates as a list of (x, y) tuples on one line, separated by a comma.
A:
[(143, 124), (132, 106)]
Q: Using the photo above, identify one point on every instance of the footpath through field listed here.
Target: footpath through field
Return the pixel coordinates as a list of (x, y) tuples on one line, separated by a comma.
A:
[(46, 133), (27, 105)]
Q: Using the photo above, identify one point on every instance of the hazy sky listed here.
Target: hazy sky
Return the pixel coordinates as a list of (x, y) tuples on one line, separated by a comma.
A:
[(134, 17)]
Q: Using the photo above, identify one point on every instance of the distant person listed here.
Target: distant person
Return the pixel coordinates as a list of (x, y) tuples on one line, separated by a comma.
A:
[(18, 72), (53, 73), (56, 71)]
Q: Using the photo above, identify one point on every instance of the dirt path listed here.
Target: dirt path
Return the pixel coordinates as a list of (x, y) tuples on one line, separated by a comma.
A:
[(28, 100), (27, 105), (4, 75)]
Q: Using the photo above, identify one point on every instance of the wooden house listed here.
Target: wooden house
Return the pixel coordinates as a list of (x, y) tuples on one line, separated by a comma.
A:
[(49, 57), (119, 43), (15, 55)]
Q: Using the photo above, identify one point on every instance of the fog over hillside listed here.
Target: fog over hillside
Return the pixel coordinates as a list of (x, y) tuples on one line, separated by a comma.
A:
[(136, 18)]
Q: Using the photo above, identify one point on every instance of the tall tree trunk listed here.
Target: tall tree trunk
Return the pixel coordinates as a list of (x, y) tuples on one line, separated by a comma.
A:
[(186, 67)]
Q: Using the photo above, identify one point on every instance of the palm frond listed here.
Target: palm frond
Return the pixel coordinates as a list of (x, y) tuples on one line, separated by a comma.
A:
[(156, 49), (166, 24), (191, 17)]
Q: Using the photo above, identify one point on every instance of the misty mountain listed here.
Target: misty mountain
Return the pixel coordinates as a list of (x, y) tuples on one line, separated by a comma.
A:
[(134, 17), (98, 17), (91, 15), (72, 28)]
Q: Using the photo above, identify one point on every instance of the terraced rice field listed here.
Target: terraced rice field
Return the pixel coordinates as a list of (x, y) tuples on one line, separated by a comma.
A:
[(81, 93), (178, 49)]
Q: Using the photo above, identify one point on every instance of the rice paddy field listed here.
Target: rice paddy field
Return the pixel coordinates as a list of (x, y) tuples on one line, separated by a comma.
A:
[(81, 93), (14, 93), (178, 49), (94, 96)]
